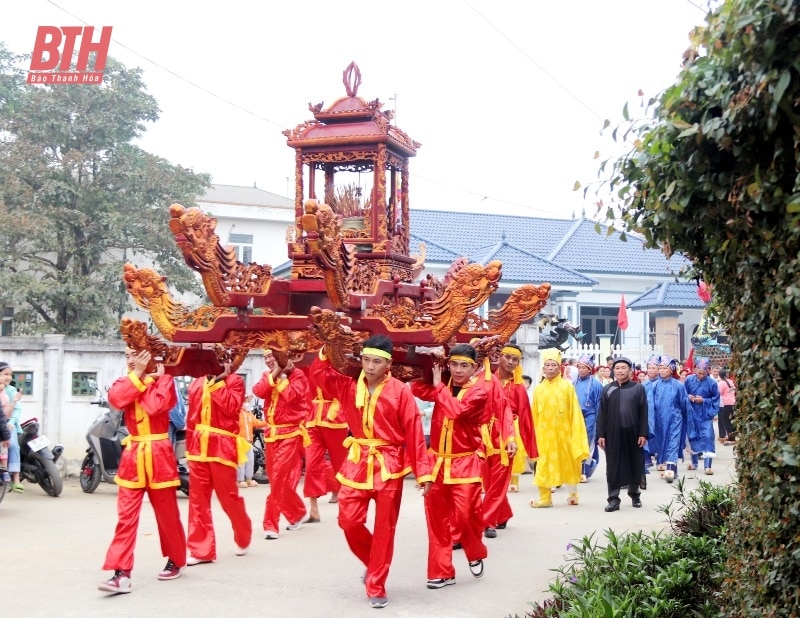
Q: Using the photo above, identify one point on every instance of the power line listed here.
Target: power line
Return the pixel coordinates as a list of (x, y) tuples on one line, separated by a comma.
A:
[(174, 74), (536, 64), (481, 195)]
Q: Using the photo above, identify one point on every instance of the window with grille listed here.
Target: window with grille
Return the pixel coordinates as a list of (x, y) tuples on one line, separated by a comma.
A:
[(598, 321), (7, 322), (23, 380), (83, 383), (242, 244)]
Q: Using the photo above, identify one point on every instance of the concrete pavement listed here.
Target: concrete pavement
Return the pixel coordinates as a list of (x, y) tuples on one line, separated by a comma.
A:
[(52, 550)]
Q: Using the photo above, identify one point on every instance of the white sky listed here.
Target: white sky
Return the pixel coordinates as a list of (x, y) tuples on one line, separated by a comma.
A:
[(506, 97)]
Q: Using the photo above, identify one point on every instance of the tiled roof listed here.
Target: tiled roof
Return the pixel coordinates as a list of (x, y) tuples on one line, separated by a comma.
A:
[(472, 234), (244, 196), (434, 252), (519, 265), (668, 295), (584, 250)]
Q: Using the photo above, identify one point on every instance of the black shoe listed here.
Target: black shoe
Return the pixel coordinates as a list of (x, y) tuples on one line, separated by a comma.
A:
[(434, 584), (476, 568), (636, 503), (490, 533), (643, 484), (611, 507), (501, 526), (457, 546)]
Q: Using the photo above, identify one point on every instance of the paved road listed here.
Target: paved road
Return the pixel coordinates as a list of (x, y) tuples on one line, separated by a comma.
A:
[(52, 550)]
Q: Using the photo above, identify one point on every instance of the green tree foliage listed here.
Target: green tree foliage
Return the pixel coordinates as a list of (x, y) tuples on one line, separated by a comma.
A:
[(714, 174), (78, 199)]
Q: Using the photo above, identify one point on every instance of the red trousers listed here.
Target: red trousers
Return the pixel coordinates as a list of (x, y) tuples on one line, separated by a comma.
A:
[(168, 520), (462, 502), (284, 462), (208, 476), (496, 477), (374, 549), (317, 481)]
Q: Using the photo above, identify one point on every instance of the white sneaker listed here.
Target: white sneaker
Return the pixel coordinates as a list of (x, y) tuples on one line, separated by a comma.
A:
[(270, 535), (299, 524), (120, 583), (241, 551), (192, 561)]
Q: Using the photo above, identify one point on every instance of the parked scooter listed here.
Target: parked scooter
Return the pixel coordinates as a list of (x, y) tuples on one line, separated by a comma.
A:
[(38, 460), (105, 437), (259, 461), (183, 464)]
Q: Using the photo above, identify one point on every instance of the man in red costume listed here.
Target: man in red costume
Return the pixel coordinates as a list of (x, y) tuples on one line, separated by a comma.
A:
[(386, 443), (285, 394), (327, 429), (496, 508), (214, 450), (147, 466), (460, 409), (499, 442)]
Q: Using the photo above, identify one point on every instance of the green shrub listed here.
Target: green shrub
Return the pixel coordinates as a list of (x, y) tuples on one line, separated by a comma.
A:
[(650, 575), (702, 512)]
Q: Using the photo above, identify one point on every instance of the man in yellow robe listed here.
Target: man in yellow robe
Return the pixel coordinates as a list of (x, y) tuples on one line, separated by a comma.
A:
[(560, 433)]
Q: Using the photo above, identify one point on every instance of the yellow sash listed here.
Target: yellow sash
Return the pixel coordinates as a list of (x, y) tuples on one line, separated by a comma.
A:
[(144, 454)]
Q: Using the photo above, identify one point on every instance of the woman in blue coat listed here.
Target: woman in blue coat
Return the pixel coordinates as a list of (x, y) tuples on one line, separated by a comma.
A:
[(703, 395)]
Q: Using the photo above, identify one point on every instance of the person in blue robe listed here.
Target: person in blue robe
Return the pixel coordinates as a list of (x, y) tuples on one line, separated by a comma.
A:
[(670, 409), (703, 394)]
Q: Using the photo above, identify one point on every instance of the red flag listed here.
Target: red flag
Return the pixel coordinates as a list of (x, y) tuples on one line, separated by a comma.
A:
[(689, 365), (622, 316)]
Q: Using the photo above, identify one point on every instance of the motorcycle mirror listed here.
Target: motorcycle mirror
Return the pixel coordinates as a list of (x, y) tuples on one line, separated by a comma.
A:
[(92, 383)]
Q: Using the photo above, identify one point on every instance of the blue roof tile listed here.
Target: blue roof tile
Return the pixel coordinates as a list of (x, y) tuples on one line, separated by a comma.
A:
[(472, 233), (584, 250), (668, 295), (519, 265)]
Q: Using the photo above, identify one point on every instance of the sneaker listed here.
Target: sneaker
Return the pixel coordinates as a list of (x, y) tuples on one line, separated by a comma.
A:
[(170, 571), (270, 535), (192, 561), (476, 568), (299, 524), (501, 526), (433, 584), (490, 533), (120, 583), (240, 551), (378, 602)]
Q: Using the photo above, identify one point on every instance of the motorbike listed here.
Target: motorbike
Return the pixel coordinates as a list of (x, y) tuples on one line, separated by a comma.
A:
[(259, 461), (38, 460), (105, 437)]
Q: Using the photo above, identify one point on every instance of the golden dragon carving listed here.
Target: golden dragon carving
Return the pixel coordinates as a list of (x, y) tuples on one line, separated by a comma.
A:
[(523, 303), (195, 235), (322, 229), (150, 291), (136, 337), (468, 289), (341, 343)]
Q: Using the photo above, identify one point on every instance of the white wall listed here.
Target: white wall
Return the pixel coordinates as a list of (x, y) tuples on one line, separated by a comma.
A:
[(52, 359)]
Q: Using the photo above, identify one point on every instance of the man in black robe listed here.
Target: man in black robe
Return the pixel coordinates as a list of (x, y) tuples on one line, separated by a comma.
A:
[(622, 432)]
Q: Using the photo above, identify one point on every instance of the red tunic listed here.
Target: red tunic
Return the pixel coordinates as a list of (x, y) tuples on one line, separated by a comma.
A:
[(213, 426), (386, 435), (148, 459), (285, 405), (520, 405), (456, 439)]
